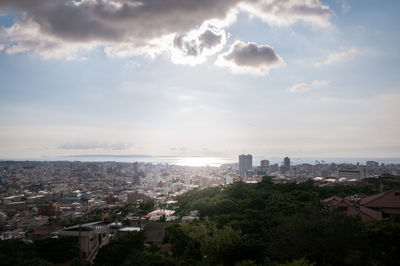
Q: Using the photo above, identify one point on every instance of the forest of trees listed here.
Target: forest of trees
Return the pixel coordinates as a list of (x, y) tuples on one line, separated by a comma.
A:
[(268, 224)]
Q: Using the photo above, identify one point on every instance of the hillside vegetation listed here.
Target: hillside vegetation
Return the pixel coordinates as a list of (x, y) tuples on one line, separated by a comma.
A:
[(268, 224)]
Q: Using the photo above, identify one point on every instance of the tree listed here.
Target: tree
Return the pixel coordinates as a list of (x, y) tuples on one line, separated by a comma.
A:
[(117, 251), (148, 258), (57, 250), (146, 206)]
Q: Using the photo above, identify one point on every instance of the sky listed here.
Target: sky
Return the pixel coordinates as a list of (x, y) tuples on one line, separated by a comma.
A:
[(303, 78)]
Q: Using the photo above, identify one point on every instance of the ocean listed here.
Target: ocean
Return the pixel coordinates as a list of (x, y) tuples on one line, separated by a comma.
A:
[(204, 161)]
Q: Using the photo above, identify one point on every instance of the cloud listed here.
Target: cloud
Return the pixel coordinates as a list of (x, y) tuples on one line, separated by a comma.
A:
[(26, 36), (83, 146), (120, 146), (250, 58), (1, 47), (285, 13), (345, 7), (94, 145), (303, 87), (68, 29), (299, 88), (320, 83), (112, 20), (337, 57), (57, 29), (210, 39), (196, 46)]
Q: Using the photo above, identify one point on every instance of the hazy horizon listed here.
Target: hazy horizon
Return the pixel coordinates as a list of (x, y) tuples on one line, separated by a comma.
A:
[(201, 161)]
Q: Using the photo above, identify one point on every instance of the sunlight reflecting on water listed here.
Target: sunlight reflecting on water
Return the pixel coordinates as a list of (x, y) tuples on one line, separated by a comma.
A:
[(201, 161)]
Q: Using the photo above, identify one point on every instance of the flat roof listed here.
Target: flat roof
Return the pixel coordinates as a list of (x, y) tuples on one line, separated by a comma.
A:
[(129, 229), (86, 226)]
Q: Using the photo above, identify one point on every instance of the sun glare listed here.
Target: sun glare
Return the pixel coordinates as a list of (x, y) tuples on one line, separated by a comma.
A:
[(201, 161)]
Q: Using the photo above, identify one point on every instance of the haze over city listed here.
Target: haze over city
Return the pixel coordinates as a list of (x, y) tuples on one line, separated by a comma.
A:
[(204, 78)]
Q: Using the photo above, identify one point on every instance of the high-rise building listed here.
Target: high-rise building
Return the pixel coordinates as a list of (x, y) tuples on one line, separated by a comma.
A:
[(286, 162), (245, 164), (264, 165), (285, 167), (135, 168), (136, 178)]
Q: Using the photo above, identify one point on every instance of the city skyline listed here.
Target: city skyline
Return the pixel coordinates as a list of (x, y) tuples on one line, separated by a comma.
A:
[(304, 79)]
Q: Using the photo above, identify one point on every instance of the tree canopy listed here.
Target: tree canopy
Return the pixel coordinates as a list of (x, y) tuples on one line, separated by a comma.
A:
[(269, 224)]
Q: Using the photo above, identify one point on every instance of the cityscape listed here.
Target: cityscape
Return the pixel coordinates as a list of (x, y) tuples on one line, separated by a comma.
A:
[(204, 133), (38, 197)]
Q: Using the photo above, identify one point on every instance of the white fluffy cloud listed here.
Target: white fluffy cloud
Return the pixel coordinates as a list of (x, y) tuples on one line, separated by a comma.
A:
[(250, 58), (188, 31)]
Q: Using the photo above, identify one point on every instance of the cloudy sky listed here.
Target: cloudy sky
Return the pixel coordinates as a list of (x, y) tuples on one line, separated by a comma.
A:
[(304, 78)]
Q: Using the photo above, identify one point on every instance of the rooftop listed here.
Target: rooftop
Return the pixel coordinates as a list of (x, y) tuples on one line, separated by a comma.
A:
[(86, 227)]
